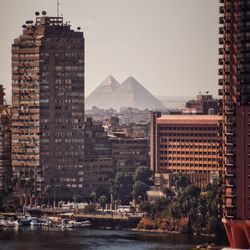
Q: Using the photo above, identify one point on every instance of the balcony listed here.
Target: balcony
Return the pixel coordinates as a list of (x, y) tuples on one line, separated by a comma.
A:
[(228, 8), (229, 185), (228, 152), (221, 30), (228, 29), (230, 195), (220, 82), (221, 9), (221, 61), (238, 99), (228, 18), (220, 92), (229, 173), (229, 144), (229, 112), (220, 71), (221, 20), (227, 71), (227, 92), (227, 61), (221, 40)]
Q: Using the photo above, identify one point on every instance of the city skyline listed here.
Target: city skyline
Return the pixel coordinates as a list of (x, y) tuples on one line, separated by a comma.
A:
[(147, 40)]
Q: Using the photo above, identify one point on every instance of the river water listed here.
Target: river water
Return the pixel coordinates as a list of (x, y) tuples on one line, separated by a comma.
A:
[(88, 239)]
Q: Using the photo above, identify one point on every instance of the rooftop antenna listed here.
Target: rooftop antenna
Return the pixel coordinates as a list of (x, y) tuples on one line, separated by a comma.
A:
[(57, 8)]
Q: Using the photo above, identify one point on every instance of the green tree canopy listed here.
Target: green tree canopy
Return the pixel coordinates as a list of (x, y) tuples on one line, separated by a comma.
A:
[(139, 189), (143, 174), (103, 200)]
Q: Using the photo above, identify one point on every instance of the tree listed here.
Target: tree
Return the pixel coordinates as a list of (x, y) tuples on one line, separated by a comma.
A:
[(93, 196), (90, 208), (210, 208), (186, 204), (168, 193), (101, 190), (121, 187), (143, 174), (103, 201), (161, 204), (182, 181), (146, 207), (47, 191), (139, 189)]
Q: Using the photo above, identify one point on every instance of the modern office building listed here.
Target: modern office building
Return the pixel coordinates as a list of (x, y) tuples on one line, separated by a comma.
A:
[(189, 144), (234, 85), (48, 108)]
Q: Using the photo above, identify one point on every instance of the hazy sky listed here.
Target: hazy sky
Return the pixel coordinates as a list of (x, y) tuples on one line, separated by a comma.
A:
[(170, 46)]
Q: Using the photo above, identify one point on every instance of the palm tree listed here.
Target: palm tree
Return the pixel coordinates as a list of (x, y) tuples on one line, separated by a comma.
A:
[(47, 191)]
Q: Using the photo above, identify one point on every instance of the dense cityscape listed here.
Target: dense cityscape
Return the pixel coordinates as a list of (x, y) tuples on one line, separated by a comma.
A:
[(119, 159)]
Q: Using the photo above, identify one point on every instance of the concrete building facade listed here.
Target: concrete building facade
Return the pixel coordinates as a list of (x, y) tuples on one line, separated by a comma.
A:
[(48, 108), (5, 144), (128, 153), (234, 85), (189, 144), (98, 163), (204, 104)]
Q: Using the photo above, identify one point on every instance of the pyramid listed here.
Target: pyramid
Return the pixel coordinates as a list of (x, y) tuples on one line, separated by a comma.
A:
[(100, 96), (132, 94), (111, 94)]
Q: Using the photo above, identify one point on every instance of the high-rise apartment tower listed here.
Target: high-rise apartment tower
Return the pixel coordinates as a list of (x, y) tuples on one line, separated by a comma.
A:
[(234, 81), (48, 109)]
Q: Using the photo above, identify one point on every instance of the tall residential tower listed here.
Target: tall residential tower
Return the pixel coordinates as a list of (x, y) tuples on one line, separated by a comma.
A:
[(234, 70), (48, 109)]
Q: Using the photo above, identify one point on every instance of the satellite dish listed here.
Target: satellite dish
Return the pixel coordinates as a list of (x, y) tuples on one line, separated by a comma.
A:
[(44, 12), (37, 13)]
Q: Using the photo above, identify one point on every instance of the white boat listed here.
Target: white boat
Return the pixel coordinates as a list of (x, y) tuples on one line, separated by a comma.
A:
[(35, 222), (78, 224)]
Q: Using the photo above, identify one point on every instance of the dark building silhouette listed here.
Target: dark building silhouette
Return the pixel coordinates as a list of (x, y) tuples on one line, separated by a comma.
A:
[(128, 153), (98, 163), (48, 109), (204, 104), (234, 84), (5, 144)]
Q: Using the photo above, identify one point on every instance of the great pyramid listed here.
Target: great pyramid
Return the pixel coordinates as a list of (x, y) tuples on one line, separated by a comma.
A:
[(111, 94), (100, 96)]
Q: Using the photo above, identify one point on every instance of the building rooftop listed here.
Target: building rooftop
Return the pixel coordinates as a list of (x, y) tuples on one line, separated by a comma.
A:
[(189, 119)]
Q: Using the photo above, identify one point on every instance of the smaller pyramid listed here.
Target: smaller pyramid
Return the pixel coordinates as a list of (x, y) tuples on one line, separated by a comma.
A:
[(100, 96)]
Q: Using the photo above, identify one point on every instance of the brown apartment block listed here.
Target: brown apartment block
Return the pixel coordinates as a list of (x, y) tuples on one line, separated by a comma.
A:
[(189, 144), (234, 85), (98, 163), (5, 145), (48, 109), (128, 153)]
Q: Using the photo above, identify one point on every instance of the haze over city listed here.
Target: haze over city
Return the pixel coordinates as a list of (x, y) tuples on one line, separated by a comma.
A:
[(125, 115), (171, 47)]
